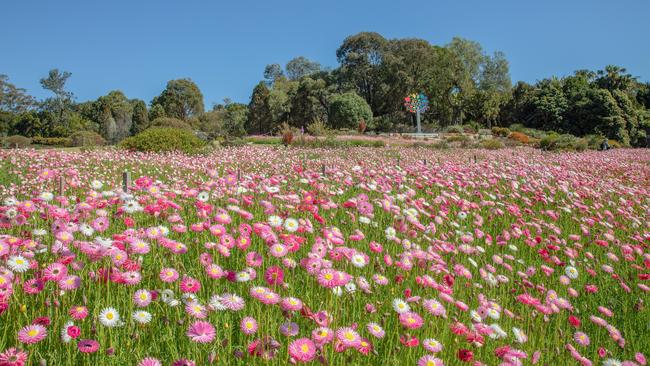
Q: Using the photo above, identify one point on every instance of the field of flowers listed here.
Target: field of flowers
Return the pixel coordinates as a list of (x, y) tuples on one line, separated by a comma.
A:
[(272, 256)]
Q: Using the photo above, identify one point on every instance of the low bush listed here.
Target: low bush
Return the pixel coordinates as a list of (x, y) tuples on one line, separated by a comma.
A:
[(318, 128), (565, 142), (459, 138), (52, 141), (170, 122), (519, 137), (442, 144), (614, 144), (500, 131), (453, 129), (16, 141), (86, 138), (491, 144), (159, 139)]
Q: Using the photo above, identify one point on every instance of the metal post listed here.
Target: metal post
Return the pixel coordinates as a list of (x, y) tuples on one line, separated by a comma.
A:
[(417, 118), (126, 181)]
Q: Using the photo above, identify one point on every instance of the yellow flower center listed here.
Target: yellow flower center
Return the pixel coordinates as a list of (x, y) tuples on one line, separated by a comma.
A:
[(33, 333)]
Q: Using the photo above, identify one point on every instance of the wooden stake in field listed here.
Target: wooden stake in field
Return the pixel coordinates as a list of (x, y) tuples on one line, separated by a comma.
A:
[(61, 185), (322, 169), (424, 161), (126, 181)]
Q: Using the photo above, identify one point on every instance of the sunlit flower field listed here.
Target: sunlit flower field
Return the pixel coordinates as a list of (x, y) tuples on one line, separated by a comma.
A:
[(273, 256)]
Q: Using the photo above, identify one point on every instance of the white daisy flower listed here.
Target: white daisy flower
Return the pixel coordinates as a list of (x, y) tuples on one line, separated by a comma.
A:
[(18, 263), (46, 196), (571, 272), (400, 306), (358, 260), (65, 338), (109, 317), (96, 185), (141, 317), (291, 225)]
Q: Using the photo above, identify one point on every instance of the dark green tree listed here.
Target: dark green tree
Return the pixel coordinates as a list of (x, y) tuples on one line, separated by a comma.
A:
[(181, 99), (260, 119), (140, 116), (301, 66)]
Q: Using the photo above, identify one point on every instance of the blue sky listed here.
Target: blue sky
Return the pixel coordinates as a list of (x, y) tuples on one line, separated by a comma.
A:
[(136, 46)]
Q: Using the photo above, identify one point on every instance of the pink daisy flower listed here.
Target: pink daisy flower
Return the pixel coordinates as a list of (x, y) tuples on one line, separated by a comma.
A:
[(411, 320), (376, 330), (214, 271), (429, 360), (13, 357), (189, 284), (150, 361), (201, 332), (33, 333), (302, 350), (55, 272), (168, 275), (348, 337), (78, 312), (291, 304), (142, 298), (581, 338), (248, 325), (88, 346), (322, 335)]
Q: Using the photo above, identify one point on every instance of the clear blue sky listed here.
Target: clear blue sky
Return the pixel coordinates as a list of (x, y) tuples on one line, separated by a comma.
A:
[(137, 45)]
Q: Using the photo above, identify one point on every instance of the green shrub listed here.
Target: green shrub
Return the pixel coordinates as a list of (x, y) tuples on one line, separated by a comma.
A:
[(347, 110), (16, 141), (86, 138), (159, 139), (442, 144), (491, 144), (564, 142), (614, 144), (484, 132), (500, 131), (318, 128), (170, 122), (52, 141), (453, 129), (459, 138), (469, 128)]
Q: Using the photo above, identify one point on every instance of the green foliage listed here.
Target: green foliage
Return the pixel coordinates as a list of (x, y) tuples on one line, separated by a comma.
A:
[(16, 141), (159, 139), (491, 144), (563, 142), (347, 110), (457, 138), (500, 131), (301, 66), (87, 138), (453, 129), (318, 128), (171, 123), (52, 141), (260, 118), (181, 99)]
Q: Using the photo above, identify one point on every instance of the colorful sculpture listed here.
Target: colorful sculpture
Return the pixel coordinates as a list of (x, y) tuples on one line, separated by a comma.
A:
[(417, 103)]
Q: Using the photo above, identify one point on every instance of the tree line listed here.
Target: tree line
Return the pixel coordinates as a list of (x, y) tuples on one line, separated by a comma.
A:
[(464, 84)]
